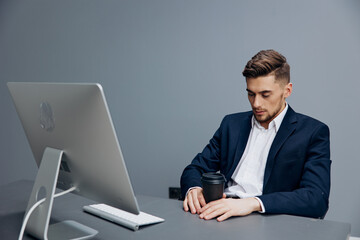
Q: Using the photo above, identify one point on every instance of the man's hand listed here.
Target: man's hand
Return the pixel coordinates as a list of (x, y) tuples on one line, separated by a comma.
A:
[(194, 201), (228, 207)]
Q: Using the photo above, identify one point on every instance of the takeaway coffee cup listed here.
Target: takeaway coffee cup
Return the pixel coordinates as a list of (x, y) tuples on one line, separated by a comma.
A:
[(213, 186)]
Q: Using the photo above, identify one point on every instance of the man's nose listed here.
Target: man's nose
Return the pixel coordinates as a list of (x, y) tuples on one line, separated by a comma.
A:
[(257, 102)]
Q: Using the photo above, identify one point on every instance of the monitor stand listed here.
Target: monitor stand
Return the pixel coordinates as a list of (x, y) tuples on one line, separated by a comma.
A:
[(44, 186)]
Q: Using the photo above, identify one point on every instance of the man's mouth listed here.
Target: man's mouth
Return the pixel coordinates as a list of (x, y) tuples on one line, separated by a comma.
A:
[(259, 112)]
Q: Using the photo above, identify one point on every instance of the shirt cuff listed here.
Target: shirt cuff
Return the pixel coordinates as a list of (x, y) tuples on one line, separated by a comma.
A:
[(191, 189), (261, 204)]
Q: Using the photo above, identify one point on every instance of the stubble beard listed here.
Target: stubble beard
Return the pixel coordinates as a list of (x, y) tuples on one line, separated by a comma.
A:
[(268, 118)]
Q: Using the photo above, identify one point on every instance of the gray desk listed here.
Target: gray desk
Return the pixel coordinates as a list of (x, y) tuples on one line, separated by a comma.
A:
[(178, 224)]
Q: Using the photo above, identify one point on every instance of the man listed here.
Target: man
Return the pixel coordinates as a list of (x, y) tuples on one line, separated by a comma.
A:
[(274, 159)]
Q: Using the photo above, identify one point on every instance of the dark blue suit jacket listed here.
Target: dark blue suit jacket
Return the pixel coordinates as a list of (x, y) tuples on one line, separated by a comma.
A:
[(297, 172)]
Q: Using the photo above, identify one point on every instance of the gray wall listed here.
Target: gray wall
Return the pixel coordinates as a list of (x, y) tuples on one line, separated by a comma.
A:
[(172, 69)]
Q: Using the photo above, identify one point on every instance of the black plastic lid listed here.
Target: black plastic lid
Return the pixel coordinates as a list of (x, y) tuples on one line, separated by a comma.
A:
[(213, 178)]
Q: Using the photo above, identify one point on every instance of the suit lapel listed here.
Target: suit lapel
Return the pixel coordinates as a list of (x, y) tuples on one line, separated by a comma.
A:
[(287, 127), (244, 132)]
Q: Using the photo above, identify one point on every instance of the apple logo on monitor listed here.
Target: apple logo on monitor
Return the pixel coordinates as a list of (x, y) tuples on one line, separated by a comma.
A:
[(47, 120)]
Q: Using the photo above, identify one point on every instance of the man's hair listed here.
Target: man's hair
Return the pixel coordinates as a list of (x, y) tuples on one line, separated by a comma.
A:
[(268, 62)]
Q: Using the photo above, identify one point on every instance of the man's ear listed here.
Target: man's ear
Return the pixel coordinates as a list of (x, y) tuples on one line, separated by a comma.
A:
[(288, 90)]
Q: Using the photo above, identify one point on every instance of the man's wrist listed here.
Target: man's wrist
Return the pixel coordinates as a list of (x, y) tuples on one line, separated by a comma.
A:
[(256, 205)]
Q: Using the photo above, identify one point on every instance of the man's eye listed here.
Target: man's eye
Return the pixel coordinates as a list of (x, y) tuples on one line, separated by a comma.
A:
[(251, 94), (265, 96)]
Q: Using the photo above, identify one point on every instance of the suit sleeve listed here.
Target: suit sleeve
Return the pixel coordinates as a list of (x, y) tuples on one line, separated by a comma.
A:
[(206, 161), (311, 198)]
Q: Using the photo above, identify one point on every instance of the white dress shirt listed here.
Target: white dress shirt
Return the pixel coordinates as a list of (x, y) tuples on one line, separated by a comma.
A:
[(248, 177)]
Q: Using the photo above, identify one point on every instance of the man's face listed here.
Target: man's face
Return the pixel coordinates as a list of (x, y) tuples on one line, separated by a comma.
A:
[(267, 97)]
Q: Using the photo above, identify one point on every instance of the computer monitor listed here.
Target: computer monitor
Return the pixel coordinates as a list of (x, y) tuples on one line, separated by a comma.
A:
[(74, 143)]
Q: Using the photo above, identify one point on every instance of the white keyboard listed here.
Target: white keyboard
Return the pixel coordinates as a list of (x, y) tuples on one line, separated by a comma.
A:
[(121, 217)]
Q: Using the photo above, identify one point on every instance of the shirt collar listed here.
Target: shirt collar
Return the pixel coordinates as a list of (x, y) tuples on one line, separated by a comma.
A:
[(274, 123)]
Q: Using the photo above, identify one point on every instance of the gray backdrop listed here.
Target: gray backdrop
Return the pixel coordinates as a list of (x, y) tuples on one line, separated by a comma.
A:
[(172, 69)]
